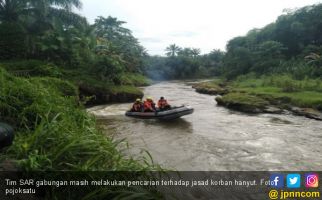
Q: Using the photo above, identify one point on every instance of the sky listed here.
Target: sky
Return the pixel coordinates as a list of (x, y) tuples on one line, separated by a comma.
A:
[(204, 24)]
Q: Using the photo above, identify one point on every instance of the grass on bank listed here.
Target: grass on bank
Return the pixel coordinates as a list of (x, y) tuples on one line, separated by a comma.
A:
[(53, 132), (279, 89), (128, 82), (244, 99), (302, 93)]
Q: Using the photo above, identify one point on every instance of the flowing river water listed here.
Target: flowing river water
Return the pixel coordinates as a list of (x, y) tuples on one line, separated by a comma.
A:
[(215, 138)]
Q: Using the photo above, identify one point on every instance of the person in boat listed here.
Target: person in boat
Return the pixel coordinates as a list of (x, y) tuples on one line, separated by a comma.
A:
[(163, 104), (137, 106), (149, 105)]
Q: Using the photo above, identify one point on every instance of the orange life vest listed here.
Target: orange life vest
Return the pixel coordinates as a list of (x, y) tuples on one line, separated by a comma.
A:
[(148, 106)]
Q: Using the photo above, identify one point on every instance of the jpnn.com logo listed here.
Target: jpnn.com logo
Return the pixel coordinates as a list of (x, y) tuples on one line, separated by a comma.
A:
[(277, 180)]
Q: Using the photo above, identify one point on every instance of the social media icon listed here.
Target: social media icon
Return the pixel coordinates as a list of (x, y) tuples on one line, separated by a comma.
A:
[(311, 180), (293, 180), (277, 180)]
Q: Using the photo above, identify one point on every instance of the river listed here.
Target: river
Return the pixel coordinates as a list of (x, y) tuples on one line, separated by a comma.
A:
[(215, 138)]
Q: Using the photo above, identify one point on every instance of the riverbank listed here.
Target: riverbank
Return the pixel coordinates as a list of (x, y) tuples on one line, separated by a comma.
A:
[(54, 132), (91, 89), (267, 94)]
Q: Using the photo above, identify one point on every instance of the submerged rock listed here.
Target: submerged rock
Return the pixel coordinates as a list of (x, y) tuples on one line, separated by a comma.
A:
[(273, 110), (280, 121), (307, 112)]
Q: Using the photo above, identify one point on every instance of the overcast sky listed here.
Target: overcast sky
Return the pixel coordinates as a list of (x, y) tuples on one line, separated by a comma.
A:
[(204, 24)]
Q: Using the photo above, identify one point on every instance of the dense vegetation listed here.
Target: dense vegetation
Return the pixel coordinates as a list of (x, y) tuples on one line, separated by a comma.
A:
[(291, 45), (48, 31), (49, 58), (280, 63), (53, 132), (183, 63)]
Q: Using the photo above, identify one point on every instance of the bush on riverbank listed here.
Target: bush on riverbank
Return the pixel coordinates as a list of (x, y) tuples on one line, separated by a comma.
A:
[(134, 79), (53, 132), (31, 68), (87, 84)]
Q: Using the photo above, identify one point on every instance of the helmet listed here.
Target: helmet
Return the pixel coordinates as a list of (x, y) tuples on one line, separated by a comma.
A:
[(149, 98), (138, 100)]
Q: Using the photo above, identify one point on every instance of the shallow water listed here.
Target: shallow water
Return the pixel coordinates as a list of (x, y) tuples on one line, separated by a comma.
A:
[(215, 138)]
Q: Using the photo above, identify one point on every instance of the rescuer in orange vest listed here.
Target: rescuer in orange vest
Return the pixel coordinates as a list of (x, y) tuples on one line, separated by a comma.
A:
[(149, 105), (137, 106), (163, 104)]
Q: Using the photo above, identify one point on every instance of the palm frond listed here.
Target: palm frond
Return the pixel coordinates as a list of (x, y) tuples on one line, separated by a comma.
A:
[(68, 18)]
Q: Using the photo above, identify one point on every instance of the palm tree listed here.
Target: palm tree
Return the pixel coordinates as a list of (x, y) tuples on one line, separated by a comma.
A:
[(36, 18), (313, 58), (15, 10), (10, 10), (185, 52), (195, 52), (172, 50)]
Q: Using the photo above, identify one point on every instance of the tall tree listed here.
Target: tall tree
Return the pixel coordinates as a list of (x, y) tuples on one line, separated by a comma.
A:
[(195, 52), (172, 50), (35, 18), (114, 39)]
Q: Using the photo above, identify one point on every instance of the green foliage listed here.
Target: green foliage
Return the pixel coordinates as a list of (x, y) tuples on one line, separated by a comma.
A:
[(54, 133), (124, 89), (31, 68), (303, 93), (116, 41), (184, 63), (236, 62), (290, 45), (36, 20), (134, 79), (244, 99), (51, 32), (23, 101), (12, 43), (172, 50), (109, 69), (65, 88)]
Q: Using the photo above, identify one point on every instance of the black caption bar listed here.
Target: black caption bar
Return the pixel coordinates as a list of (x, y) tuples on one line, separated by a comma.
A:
[(153, 185)]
